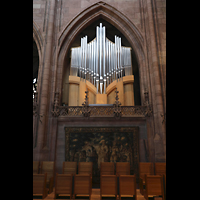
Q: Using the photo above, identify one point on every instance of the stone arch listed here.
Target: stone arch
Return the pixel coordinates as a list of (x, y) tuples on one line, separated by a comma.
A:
[(87, 17), (37, 38)]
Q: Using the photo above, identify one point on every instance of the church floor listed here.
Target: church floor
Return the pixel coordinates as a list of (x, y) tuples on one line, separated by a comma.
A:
[(96, 195)]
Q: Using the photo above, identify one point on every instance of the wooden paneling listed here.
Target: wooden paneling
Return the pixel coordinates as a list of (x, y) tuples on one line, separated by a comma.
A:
[(127, 186), (107, 168), (69, 167), (63, 184), (73, 94), (108, 185), (122, 168)]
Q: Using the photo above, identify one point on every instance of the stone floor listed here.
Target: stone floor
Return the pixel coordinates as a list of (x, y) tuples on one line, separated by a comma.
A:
[(96, 195)]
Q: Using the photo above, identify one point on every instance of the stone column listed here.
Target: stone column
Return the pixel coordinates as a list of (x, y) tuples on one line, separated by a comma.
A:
[(157, 100), (45, 85)]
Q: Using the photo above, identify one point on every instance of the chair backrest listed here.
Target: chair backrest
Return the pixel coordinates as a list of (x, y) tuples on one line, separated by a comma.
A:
[(107, 168), (145, 168), (122, 168), (69, 167), (127, 185), (63, 184), (108, 185), (47, 167), (154, 185), (160, 168), (39, 184), (35, 167), (82, 184), (85, 168)]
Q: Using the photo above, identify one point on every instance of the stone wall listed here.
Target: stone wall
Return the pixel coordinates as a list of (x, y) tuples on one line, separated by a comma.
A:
[(55, 22)]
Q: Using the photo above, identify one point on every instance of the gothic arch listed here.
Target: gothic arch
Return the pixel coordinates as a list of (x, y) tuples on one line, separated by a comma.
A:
[(37, 37), (88, 16)]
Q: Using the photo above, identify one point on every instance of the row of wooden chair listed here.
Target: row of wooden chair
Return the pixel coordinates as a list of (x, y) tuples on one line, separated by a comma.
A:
[(39, 185), (155, 186), (148, 168), (83, 186), (106, 168), (45, 167)]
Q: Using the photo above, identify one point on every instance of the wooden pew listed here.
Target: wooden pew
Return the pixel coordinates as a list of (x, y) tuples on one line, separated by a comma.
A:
[(39, 185), (35, 167), (63, 185), (48, 167), (154, 186), (107, 168), (127, 186), (108, 186), (85, 168), (69, 168), (122, 168), (160, 168), (82, 185), (144, 168)]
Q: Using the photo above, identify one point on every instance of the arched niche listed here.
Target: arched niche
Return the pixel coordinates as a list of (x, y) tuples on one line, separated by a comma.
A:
[(89, 17)]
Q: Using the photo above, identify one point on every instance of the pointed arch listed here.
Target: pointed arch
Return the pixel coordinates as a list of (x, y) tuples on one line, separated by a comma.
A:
[(37, 38), (87, 17)]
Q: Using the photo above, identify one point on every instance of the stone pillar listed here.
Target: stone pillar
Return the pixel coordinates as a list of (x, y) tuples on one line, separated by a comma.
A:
[(157, 100), (42, 147)]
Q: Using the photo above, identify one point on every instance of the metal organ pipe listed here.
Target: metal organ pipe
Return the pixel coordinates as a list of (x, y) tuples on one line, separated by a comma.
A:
[(101, 61)]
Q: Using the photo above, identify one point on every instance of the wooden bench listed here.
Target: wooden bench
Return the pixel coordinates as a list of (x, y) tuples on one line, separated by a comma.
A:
[(69, 168), (108, 186), (107, 168), (160, 168), (48, 167), (144, 168), (82, 185), (85, 168), (35, 167), (122, 168), (127, 186), (39, 185), (63, 185), (154, 186)]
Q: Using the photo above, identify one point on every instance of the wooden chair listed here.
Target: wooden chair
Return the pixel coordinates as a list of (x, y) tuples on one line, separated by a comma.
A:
[(154, 186), (144, 168), (107, 168), (39, 185), (160, 168), (35, 167), (69, 168), (108, 186), (48, 167), (122, 168), (127, 186), (82, 185), (63, 185), (85, 168)]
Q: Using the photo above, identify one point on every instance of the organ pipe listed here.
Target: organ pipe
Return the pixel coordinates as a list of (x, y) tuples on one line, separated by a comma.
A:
[(101, 61)]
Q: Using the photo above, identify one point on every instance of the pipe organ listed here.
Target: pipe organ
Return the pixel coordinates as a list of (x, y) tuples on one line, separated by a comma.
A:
[(101, 61)]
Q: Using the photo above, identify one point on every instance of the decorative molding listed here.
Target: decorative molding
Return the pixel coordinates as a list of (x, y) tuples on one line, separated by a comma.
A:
[(56, 111), (117, 106), (85, 106), (35, 105)]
